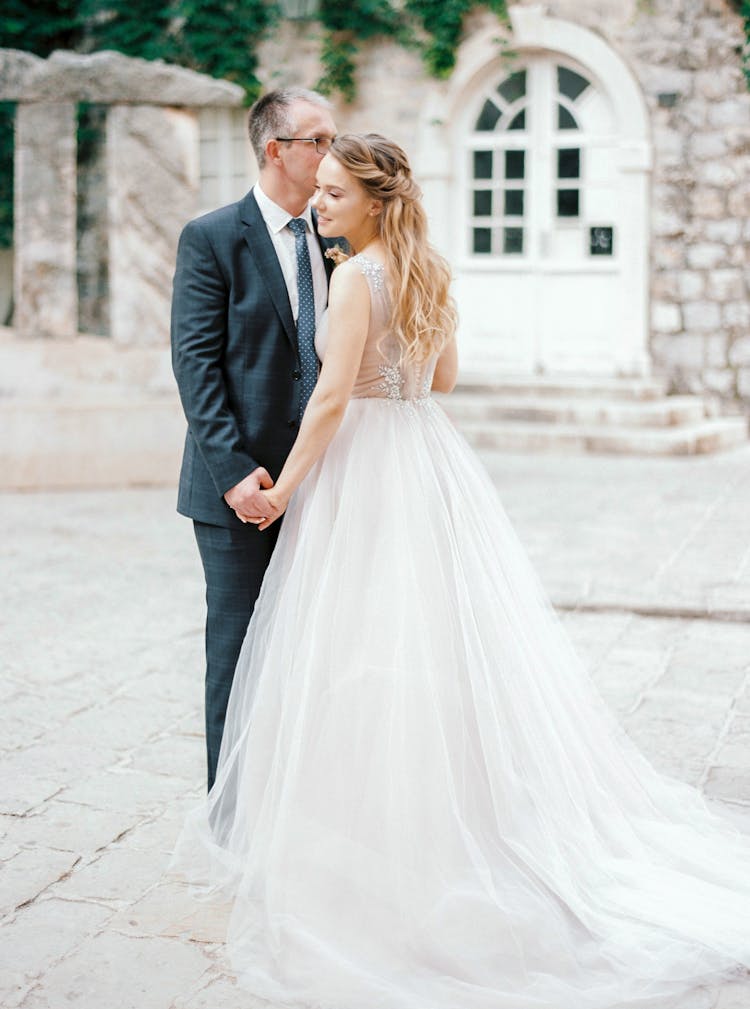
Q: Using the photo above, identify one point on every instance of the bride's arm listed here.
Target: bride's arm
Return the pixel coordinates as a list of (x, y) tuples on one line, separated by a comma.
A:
[(446, 369), (348, 319)]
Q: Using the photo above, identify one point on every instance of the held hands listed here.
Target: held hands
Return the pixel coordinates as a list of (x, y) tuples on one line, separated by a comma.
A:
[(252, 499), (246, 499), (275, 507)]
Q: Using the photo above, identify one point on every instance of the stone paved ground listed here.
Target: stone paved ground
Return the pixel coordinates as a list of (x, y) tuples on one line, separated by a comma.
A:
[(101, 641)]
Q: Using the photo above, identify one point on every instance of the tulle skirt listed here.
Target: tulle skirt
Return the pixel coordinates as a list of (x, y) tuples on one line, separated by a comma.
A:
[(422, 802)]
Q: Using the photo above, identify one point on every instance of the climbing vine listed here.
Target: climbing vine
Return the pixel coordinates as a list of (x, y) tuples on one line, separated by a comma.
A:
[(744, 10), (433, 27)]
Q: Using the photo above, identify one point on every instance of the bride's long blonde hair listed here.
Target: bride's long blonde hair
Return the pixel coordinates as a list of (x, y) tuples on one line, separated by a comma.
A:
[(424, 314)]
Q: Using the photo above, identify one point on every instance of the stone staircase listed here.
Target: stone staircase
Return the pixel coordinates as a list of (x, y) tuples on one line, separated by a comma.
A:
[(633, 416)]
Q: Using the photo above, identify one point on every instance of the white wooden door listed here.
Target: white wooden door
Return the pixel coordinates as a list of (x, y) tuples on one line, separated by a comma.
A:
[(539, 272)]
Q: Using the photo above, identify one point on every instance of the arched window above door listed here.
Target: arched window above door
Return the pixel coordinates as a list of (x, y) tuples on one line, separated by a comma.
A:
[(505, 107), (528, 112)]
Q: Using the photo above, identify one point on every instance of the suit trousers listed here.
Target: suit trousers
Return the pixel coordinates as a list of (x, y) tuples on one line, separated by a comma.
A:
[(234, 562)]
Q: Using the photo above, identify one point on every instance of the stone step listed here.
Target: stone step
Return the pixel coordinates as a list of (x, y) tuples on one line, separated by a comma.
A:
[(562, 385), (698, 438), (667, 411), (112, 441)]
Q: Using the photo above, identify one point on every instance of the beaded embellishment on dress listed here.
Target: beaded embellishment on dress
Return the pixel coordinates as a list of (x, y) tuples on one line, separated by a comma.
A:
[(372, 270), (392, 382)]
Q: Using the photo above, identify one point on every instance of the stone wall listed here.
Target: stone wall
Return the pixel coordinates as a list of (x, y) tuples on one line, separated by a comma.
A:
[(687, 58)]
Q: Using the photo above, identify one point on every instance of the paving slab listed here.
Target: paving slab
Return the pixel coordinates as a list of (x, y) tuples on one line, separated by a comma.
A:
[(101, 723)]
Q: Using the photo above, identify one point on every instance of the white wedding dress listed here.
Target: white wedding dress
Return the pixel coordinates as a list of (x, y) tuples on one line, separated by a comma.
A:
[(422, 802)]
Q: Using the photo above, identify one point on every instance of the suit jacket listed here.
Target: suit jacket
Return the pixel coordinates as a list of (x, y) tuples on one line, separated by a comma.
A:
[(235, 356)]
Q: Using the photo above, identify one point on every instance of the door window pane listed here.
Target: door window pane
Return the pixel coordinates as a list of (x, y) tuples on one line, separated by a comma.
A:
[(513, 240), (482, 164), (513, 87), (482, 240), (518, 122), (483, 203), (513, 203), (570, 83), (567, 203), (514, 164), (569, 163), (565, 120), (488, 117)]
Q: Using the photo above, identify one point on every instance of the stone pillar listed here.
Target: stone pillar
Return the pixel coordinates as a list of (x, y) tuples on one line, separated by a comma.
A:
[(44, 240), (152, 191)]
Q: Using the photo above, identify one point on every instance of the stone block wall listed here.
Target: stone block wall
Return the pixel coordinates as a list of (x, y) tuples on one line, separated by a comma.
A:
[(687, 57)]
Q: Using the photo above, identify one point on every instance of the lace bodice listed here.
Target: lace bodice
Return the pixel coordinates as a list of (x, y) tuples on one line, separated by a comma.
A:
[(380, 375)]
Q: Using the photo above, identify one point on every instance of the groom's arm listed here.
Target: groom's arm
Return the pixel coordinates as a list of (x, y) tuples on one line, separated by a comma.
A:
[(199, 313)]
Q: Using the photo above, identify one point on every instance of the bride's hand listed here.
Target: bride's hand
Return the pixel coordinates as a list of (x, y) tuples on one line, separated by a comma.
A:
[(275, 508)]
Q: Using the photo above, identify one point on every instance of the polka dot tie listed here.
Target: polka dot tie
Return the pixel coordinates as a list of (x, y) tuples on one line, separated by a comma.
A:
[(306, 313)]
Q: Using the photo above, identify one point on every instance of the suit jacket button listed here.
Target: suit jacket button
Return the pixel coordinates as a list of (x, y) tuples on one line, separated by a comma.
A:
[(292, 423), (296, 375)]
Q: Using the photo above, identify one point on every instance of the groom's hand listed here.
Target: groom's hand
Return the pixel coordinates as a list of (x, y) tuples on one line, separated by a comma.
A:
[(245, 498)]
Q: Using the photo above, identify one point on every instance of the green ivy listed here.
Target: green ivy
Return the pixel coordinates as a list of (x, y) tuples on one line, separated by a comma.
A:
[(433, 27), (744, 9), (348, 23), (41, 28), (221, 38), (442, 22), (133, 27), (7, 120)]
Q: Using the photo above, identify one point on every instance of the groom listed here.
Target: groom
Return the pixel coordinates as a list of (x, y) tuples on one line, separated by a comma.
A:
[(250, 285)]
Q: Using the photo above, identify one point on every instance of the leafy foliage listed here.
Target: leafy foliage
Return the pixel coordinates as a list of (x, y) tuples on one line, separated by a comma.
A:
[(133, 27), (348, 23), (7, 117), (744, 8), (432, 26), (220, 38), (442, 22), (48, 25)]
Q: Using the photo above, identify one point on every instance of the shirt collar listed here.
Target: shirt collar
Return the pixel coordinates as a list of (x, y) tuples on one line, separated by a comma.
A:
[(275, 216)]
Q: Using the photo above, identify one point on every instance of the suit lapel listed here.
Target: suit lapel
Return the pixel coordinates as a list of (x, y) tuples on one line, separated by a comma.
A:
[(259, 242)]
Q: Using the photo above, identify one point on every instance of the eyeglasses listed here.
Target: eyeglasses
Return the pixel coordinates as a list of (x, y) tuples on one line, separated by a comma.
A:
[(322, 144)]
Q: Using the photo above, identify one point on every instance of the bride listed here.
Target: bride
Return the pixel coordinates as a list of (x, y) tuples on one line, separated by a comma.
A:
[(421, 801)]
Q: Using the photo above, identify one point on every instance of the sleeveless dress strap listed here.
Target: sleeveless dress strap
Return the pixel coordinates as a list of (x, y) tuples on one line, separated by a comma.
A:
[(372, 270)]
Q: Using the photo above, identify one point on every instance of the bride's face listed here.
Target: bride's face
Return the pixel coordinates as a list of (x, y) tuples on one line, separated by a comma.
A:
[(343, 206)]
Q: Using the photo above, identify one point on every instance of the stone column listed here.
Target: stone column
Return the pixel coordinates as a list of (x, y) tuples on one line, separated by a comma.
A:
[(44, 239), (152, 191)]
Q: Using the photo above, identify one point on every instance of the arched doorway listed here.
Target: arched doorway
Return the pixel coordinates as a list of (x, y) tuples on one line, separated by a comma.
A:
[(549, 160)]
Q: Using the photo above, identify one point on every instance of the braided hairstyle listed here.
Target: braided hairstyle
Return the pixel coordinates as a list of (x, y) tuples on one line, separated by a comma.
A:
[(423, 315)]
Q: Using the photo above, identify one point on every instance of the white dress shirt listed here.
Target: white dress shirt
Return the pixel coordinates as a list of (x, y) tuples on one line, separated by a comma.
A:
[(277, 219)]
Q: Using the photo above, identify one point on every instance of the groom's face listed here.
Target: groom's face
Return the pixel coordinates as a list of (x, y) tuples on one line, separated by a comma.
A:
[(301, 160)]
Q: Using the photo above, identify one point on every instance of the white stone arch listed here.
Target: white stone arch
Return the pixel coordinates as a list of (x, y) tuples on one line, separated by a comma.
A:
[(444, 118)]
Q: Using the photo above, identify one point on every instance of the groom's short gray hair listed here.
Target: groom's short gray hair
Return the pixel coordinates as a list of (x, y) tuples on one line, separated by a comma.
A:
[(271, 116)]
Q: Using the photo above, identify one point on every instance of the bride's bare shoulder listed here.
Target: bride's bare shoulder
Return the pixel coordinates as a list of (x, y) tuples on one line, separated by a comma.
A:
[(349, 277)]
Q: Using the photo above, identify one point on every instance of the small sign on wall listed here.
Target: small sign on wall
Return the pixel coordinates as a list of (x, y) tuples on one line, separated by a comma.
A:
[(601, 241)]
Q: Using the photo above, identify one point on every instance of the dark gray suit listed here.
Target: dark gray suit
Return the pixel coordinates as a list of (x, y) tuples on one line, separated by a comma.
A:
[(235, 357)]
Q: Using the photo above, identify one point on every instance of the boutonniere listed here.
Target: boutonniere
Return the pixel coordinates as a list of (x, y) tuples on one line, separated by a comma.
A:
[(337, 254)]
